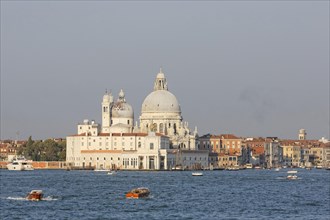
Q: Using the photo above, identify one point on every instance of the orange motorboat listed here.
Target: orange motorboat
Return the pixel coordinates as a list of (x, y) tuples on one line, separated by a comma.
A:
[(35, 195), (136, 193)]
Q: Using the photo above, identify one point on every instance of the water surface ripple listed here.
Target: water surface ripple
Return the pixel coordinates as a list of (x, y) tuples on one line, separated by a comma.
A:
[(244, 194)]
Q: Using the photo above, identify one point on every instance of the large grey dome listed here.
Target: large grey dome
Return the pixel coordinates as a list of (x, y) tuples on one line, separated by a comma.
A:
[(160, 101)]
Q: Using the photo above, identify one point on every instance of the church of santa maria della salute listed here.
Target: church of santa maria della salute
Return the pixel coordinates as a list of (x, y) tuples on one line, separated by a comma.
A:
[(161, 141)]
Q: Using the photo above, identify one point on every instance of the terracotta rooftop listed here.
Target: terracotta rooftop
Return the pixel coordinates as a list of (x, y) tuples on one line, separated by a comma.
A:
[(228, 136)]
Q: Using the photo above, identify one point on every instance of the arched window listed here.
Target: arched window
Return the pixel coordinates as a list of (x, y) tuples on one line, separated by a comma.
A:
[(154, 127)]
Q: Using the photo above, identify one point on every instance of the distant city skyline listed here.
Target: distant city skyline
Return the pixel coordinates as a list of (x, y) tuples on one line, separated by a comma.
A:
[(245, 68)]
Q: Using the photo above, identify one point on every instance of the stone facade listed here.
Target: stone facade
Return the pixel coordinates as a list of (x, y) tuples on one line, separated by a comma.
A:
[(161, 142)]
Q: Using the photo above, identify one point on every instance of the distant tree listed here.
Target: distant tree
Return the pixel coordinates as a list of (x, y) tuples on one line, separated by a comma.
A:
[(48, 150), (62, 151)]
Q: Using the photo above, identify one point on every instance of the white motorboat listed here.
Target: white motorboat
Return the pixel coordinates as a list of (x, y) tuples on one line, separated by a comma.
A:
[(101, 170), (20, 164), (292, 175), (248, 166), (112, 172), (233, 168), (197, 174)]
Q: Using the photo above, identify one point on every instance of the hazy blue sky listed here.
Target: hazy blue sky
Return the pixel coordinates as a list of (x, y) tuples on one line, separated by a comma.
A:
[(250, 68)]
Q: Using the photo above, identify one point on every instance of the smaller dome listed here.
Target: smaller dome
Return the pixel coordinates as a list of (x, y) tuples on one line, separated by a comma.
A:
[(122, 110)]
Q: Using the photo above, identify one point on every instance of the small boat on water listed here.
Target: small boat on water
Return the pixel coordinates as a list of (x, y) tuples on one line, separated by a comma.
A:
[(248, 166), (20, 164), (112, 172), (234, 168), (136, 193), (277, 169), (292, 175), (101, 170), (35, 195), (197, 174)]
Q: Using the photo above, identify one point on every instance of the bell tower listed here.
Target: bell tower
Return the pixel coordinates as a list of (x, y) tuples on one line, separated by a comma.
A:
[(302, 134), (106, 111)]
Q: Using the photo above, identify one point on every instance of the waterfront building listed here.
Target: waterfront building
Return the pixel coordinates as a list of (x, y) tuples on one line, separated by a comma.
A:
[(293, 154), (224, 150), (162, 141), (205, 142), (8, 149), (318, 154), (306, 156), (326, 155), (287, 155), (230, 144), (273, 152), (256, 151), (305, 152), (228, 160), (210, 143)]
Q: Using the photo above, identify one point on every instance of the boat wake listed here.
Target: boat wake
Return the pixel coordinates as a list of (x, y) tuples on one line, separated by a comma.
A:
[(48, 198), (285, 178), (280, 178), (16, 198)]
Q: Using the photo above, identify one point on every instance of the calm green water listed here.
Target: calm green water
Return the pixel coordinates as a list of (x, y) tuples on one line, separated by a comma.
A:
[(244, 194)]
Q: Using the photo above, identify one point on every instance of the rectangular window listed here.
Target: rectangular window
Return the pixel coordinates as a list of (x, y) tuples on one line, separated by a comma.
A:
[(151, 146)]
